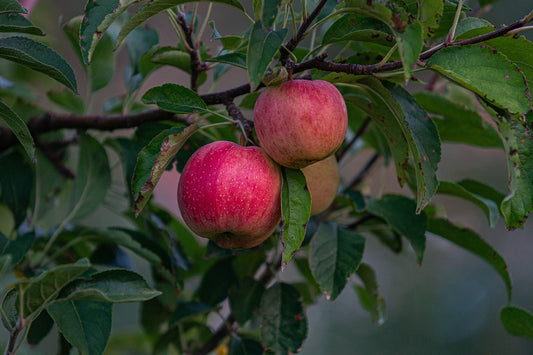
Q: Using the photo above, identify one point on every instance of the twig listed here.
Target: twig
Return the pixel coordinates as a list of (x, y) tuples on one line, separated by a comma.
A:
[(217, 337), (246, 124), (13, 335), (340, 154), (197, 66), (268, 275), (300, 34)]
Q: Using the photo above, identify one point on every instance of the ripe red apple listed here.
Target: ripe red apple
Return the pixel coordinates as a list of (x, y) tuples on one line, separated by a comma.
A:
[(231, 194), (323, 182), (300, 121)]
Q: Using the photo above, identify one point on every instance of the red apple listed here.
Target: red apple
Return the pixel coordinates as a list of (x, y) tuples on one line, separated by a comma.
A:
[(323, 182), (231, 194), (300, 121)]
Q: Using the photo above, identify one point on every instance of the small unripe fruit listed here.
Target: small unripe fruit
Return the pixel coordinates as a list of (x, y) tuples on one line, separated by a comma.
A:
[(300, 122), (230, 194), (323, 182)]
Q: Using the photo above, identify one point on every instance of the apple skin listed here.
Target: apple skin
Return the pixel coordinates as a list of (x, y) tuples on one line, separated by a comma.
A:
[(231, 194), (300, 122), (323, 182)]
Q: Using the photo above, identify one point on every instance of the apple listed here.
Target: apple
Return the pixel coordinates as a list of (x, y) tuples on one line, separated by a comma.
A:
[(300, 121), (231, 194), (323, 182)]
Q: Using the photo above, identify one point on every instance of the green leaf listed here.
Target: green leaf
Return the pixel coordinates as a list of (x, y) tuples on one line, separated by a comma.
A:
[(16, 181), (228, 42), (472, 242), (399, 212), (457, 123), (40, 327), (11, 22), (411, 136), (85, 324), (373, 9), (102, 66), (39, 291), (129, 239), (118, 285), (485, 72), (261, 49), (92, 180), (39, 57), (98, 16), (295, 211), (216, 283), (488, 206), (235, 59), (7, 6), (153, 159), (519, 51), (187, 309), (9, 119), (517, 321), (426, 148), (177, 58), (17, 248), (154, 7), (10, 306), (430, 15), (518, 143), (240, 346), (334, 255), (368, 294), (352, 27), (7, 220), (67, 100), (283, 322), (410, 43), (175, 98), (244, 298), (269, 12)]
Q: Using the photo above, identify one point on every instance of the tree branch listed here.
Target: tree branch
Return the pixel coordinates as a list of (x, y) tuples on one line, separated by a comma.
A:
[(197, 66), (54, 121), (236, 113)]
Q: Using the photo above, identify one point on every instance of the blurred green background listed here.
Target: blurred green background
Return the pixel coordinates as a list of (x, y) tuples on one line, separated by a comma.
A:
[(449, 304)]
